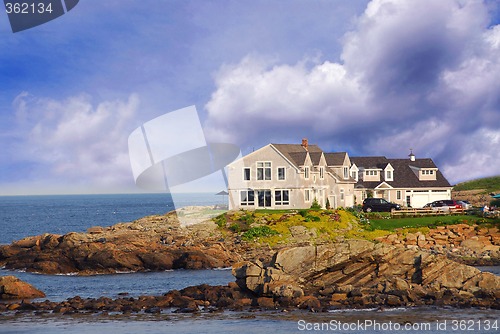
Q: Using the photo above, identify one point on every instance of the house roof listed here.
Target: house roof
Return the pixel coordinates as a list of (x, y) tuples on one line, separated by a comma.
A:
[(296, 153), (404, 176), (370, 162), (335, 159), (315, 157)]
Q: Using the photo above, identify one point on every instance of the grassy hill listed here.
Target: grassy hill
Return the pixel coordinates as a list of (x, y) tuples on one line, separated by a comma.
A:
[(487, 184)]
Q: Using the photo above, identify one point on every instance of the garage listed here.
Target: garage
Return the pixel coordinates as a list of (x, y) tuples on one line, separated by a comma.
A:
[(419, 198)]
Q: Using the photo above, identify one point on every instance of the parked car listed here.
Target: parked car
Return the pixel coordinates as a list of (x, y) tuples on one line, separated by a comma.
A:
[(445, 205), (465, 205), (379, 204)]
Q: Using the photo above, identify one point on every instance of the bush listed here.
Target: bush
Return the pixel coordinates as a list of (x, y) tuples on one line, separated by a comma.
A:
[(315, 205), (221, 220), (259, 231), (495, 202), (235, 228)]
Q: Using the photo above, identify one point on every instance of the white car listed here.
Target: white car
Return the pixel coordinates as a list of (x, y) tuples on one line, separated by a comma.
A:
[(465, 205)]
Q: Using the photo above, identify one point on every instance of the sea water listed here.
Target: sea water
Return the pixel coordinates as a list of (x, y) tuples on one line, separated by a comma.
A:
[(22, 216)]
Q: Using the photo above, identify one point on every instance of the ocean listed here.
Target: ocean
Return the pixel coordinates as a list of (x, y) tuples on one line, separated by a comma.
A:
[(22, 216)]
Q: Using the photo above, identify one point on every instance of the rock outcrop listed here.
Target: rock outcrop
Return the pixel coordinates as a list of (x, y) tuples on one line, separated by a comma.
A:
[(470, 244), (150, 243), (359, 273), (12, 287)]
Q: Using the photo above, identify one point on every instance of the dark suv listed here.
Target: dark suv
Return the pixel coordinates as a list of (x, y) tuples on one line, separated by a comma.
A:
[(378, 204)]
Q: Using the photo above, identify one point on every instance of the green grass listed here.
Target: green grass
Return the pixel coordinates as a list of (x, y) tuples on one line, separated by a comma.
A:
[(431, 221), (489, 184)]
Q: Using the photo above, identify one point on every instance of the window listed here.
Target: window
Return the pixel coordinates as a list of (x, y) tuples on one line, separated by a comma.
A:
[(321, 173), (306, 172), (427, 172), (341, 194), (388, 175), (307, 195), (246, 174), (247, 197), (354, 175), (346, 172), (398, 194), (281, 173), (264, 197), (371, 172), (263, 171), (281, 197)]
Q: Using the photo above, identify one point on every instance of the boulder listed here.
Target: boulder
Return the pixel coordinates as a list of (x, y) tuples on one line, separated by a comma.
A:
[(362, 273), (12, 287)]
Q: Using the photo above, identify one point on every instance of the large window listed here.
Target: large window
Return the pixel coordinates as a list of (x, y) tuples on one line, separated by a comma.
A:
[(281, 197), (264, 170), (247, 197), (281, 173), (246, 174), (264, 197)]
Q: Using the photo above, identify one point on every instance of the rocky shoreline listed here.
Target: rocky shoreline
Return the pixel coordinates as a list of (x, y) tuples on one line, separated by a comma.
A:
[(405, 269), (469, 244), (151, 243)]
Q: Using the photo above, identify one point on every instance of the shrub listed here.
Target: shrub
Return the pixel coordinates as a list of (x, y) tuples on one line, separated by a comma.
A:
[(303, 213), (259, 231), (315, 205), (221, 220), (235, 228)]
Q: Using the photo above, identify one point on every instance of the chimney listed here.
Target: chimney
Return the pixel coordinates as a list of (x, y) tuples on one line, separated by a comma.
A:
[(305, 144), (411, 155)]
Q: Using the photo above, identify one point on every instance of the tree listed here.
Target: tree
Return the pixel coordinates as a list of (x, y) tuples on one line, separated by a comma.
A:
[(315, 205)]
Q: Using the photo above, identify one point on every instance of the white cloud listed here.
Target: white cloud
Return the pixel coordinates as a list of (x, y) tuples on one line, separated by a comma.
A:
[(256, 96), (75, 143), (420, 74)]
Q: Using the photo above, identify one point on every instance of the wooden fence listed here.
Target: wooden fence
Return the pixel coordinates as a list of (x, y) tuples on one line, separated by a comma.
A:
[(426, 212)]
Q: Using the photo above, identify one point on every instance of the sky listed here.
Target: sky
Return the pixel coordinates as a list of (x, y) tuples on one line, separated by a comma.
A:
[(367, 77)]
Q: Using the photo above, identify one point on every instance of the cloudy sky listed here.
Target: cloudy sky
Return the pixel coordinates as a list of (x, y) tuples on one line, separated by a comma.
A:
[(368, 77)]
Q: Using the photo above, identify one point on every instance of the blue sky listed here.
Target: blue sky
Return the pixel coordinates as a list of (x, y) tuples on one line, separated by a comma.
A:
[(368, 77)]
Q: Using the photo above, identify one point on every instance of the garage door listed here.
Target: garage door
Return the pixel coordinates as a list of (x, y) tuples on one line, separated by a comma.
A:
[(419, 199)]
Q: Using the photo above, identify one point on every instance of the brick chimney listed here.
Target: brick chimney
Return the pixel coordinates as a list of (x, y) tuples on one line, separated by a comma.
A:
[(305, 144)]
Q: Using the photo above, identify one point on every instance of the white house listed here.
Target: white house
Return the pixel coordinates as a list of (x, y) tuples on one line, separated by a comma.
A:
[(409, 182), (290, 176)]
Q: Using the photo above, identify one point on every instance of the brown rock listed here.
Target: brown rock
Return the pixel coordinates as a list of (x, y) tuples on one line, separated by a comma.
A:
[(12, 287)]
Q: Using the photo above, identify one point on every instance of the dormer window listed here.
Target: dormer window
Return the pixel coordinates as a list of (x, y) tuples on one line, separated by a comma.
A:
[(306, 173), (321, 173), (427, 174), (388, 173)]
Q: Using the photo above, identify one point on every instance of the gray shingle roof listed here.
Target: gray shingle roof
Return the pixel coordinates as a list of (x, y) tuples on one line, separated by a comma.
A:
[(404, 176), (296, 153), (335, 159)]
